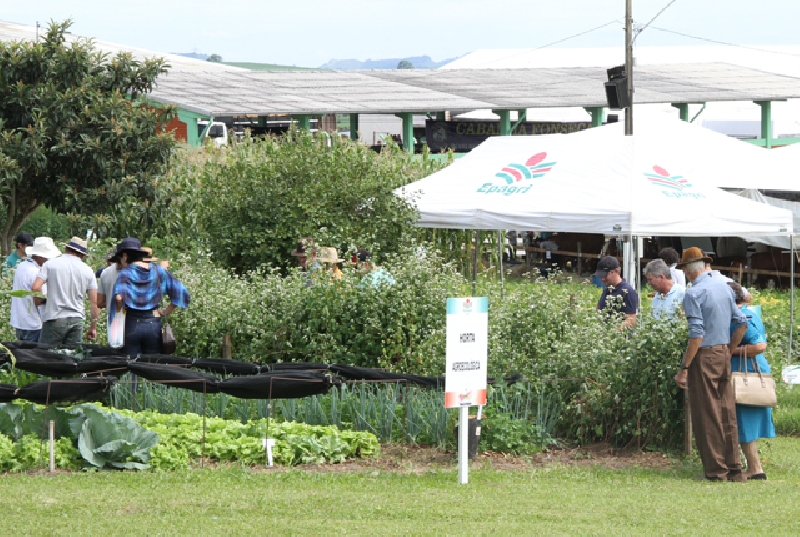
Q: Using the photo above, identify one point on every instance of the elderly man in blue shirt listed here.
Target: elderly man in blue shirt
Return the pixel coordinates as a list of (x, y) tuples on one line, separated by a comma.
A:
[(710, 308)]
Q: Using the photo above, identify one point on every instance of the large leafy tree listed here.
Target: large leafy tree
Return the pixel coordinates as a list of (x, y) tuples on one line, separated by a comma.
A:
[(76, 133), (251, 202)]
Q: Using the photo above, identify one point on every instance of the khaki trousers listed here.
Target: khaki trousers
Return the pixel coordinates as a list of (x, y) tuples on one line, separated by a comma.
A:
[(714, 411)]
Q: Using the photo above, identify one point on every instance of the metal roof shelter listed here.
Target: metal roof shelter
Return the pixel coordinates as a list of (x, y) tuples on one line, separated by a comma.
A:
[(204, 89), (406, 90)]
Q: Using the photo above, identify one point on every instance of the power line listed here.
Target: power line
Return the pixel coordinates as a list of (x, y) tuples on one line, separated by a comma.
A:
[(725, 43), (663, 9), (579, 34), (525, 51)]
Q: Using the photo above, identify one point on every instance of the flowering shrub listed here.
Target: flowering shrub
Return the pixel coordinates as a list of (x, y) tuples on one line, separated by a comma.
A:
[(273, 318)]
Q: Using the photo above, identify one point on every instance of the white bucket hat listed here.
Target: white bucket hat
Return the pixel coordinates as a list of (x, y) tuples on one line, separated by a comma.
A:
[(43, 247), (328, 255)]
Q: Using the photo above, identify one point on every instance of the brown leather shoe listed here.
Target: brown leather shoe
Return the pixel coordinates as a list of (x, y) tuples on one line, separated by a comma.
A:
[(737, 477)]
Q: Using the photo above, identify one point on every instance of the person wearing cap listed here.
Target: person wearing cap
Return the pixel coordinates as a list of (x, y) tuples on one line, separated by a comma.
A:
[(618, 295), (668, 299), (22, 241), (375, 275), (716, 326), (140, 288), (69, 282), (25, 317)]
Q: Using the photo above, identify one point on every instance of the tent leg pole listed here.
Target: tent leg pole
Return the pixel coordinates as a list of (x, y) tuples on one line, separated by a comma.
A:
[(791, 296), (477, 236), (500, 251)]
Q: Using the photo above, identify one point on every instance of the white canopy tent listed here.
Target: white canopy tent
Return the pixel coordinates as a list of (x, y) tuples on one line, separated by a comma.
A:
[(597, 181)]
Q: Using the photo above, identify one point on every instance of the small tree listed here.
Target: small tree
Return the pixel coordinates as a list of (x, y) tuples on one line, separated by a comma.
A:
[(405, 64), (216, 58), (75, 134)]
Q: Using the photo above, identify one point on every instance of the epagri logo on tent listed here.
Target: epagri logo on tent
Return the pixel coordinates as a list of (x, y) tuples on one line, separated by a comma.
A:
[(674, 186), (514, 174)]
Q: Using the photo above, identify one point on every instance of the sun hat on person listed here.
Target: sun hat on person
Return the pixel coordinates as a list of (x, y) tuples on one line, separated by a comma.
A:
[(606, 265), (328, 254), (130, 244), (43, 247), (77, 244), (148, 255), (690, 255)]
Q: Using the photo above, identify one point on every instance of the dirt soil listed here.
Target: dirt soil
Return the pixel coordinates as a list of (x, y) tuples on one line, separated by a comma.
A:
[(420, 459)]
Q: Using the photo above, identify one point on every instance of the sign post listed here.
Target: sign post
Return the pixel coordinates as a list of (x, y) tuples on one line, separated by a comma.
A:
[(465, 377)]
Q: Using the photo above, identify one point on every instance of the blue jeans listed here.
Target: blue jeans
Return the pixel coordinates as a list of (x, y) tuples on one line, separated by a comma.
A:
[(142, 336), (31, 336), (59, 331)]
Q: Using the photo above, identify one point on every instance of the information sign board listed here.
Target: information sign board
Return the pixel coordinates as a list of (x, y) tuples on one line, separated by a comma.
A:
[(467, 343)]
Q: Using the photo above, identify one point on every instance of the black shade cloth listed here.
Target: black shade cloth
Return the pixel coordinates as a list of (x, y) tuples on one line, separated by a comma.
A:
[(366, 373), (7, 392), (114, 365), (289, 366), (177, 377), (95, 349), (221, 366), (45, 362), (167, 359), (279, 385), (67, 391)]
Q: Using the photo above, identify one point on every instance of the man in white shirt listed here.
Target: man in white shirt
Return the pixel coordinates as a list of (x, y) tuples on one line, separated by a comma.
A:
[(25, 317)]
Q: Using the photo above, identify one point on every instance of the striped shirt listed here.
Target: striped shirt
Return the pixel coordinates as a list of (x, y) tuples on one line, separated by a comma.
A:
[(140, 290)]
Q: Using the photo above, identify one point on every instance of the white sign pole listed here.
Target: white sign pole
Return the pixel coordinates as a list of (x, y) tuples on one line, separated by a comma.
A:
[(463, 445), (465, 377)]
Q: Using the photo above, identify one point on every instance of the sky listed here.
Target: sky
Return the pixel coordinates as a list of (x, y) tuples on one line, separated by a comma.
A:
[(308, 33)]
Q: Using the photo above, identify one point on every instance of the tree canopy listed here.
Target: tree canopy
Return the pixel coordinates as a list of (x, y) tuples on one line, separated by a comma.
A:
[(76, 134)]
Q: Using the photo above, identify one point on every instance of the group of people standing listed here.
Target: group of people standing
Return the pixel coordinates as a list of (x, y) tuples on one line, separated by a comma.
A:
[(724, 336), (62, 282), (325, 259)]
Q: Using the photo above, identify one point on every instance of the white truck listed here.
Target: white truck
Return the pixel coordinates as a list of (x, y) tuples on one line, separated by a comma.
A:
[(217, 131)]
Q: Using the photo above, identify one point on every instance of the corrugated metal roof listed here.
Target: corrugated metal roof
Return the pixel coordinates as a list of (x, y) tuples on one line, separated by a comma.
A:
[(405, 90), (218, 90)]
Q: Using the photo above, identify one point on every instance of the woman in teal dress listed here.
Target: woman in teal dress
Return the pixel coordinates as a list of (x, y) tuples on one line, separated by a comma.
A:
[(754, 422)]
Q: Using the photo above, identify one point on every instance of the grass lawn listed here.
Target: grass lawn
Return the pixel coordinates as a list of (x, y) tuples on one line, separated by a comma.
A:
[(556, 499)]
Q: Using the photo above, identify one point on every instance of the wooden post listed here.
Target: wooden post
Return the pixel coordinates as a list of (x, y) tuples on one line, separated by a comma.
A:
[(580, 261), (227, 346), (740, 275), (687, 426)]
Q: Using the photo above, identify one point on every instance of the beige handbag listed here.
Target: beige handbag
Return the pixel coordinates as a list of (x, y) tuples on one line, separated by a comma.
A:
[(753, 389)]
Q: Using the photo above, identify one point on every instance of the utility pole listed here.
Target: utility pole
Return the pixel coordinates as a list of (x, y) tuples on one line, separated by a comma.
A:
[(629, 66)]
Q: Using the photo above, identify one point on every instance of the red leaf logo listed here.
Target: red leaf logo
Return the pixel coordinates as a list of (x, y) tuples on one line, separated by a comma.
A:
[(661, 171), (536, 159)]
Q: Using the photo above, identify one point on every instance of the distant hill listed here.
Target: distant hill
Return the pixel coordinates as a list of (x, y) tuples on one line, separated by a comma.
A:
[(419, 62), (268, 66), (195, 55)]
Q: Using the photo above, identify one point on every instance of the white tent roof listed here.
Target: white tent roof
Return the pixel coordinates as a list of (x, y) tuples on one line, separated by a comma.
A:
[(778, 242), (595, 181)]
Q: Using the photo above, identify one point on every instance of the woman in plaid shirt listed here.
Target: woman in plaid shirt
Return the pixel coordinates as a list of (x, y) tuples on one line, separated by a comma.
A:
[(140, 289)]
